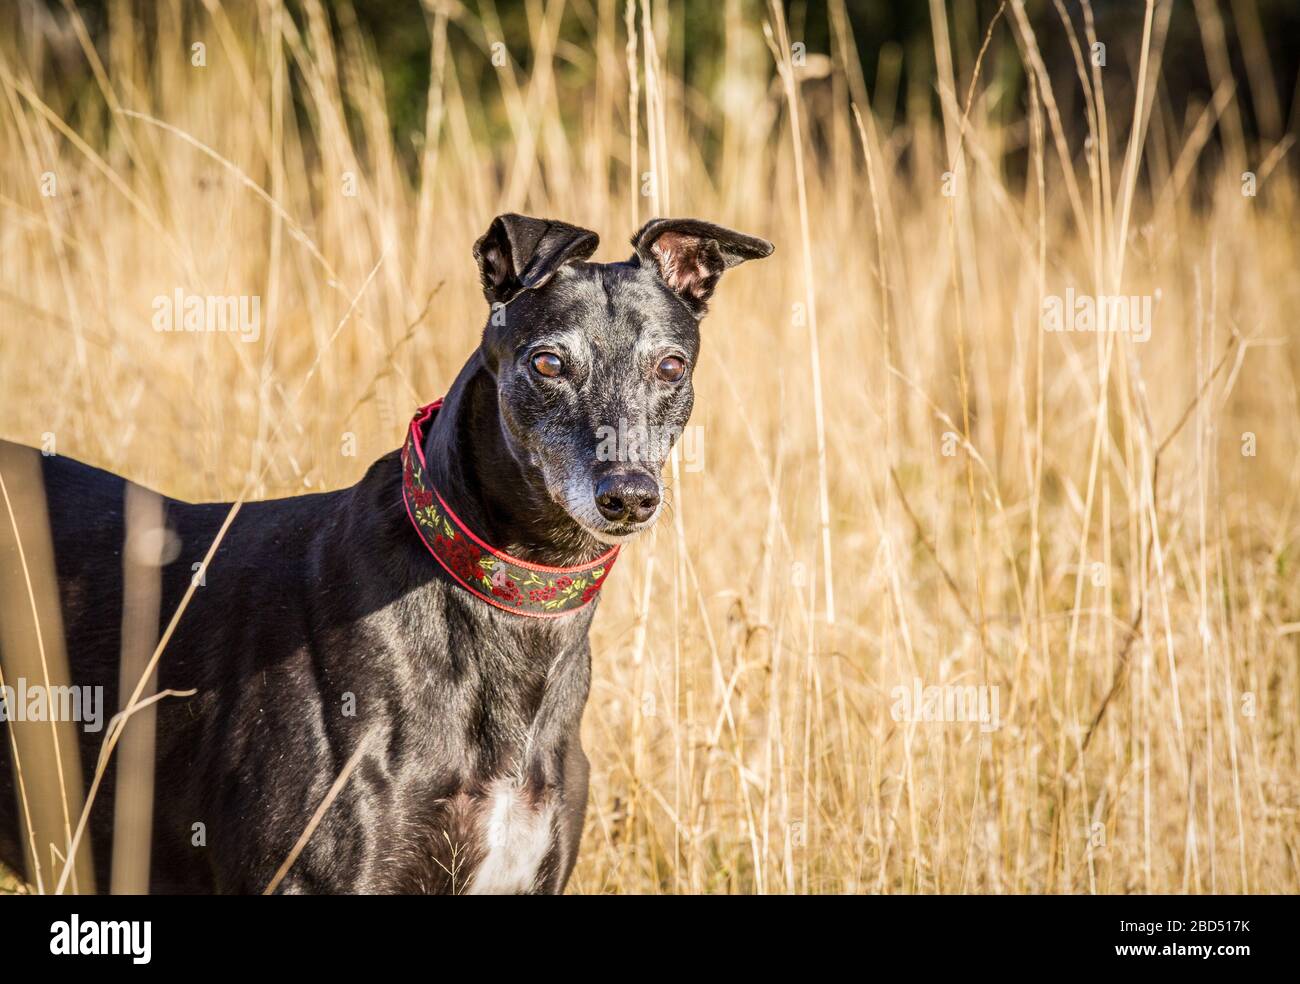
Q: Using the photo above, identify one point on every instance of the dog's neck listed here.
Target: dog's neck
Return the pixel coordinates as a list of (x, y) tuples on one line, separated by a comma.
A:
[(503, 500)]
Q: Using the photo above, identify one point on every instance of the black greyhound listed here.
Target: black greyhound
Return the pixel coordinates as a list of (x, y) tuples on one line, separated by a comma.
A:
[(380, 614)]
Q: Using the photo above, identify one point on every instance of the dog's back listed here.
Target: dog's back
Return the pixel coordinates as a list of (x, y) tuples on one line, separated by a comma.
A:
[(217, 647)]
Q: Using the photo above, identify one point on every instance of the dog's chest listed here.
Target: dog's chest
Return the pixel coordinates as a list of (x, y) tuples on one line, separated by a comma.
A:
[(514, 832)]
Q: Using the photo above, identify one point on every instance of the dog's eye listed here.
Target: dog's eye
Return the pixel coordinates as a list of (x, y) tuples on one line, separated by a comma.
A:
[(547, 364), (671, 369)]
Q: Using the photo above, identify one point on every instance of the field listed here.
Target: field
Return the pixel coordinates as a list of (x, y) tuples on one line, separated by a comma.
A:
[(901, 475)]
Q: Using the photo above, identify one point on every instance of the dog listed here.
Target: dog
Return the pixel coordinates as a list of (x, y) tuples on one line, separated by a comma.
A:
[(436, 612)]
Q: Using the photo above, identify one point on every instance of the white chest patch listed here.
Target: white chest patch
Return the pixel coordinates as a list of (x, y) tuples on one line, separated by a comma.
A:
[(516, 837)]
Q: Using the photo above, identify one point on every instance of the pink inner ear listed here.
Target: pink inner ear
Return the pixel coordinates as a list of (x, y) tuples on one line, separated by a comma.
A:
[(681, 263), (496, 265)]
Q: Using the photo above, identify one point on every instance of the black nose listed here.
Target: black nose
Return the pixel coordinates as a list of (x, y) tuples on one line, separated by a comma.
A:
[(627, 496)]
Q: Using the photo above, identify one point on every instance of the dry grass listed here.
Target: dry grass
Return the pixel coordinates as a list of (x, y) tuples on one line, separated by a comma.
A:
[(1096, 545)]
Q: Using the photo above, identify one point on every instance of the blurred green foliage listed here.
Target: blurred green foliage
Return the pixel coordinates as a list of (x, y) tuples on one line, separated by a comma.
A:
[(399, 34)]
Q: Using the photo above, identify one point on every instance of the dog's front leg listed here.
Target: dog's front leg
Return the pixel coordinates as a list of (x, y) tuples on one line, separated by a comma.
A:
[(577, 770)]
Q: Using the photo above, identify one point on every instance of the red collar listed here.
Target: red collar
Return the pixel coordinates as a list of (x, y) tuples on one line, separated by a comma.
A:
[(499, 579)]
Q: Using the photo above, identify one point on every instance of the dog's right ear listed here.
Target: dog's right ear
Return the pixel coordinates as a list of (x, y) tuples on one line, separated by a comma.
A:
[(520, 253)]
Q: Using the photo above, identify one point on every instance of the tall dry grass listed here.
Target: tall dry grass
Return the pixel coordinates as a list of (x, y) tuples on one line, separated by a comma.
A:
[(1069, 518)]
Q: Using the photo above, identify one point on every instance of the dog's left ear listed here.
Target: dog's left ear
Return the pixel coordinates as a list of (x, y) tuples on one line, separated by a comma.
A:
[(690, 255), (520, 253)]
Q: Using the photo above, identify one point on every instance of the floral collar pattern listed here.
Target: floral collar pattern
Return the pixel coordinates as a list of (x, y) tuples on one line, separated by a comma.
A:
[(497, 578)]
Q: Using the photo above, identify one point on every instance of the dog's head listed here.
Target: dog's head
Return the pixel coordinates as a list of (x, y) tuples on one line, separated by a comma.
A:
[(593, 361)]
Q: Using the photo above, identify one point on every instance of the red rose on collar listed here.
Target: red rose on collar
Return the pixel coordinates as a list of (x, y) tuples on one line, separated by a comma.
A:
[(463, 557)]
